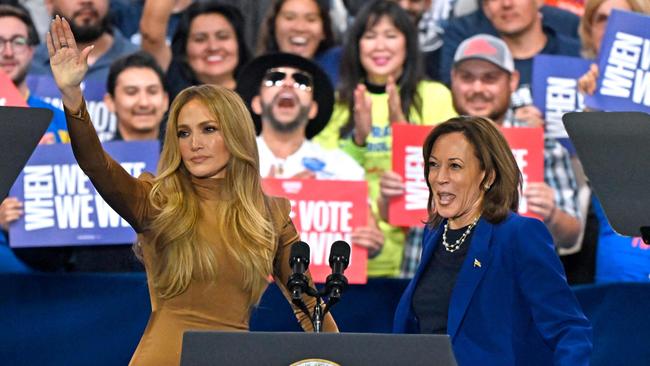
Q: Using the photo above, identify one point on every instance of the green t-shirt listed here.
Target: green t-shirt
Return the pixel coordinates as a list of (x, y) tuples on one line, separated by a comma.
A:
[(376, 158)]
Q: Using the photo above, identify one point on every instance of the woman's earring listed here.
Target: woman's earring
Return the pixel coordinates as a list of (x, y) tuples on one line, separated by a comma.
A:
[(486, 186)]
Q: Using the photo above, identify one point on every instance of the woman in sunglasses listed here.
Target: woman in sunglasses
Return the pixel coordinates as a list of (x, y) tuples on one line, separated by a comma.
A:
[(381, 83), (208, 46), (208, 236)]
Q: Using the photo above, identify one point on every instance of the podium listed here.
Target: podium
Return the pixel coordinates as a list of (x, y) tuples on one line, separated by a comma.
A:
[(20, 130), (323, 349), (614, 148)]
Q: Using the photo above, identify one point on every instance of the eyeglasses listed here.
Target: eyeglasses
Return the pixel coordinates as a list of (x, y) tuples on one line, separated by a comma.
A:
[(18, 44), (301, 79)]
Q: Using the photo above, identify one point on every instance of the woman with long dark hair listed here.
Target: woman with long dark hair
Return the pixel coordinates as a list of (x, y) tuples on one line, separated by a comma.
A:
[(208, 46), (381, 83)]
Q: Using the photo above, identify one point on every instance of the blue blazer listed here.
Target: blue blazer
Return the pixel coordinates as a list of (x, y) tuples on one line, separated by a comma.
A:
[(511, 304)]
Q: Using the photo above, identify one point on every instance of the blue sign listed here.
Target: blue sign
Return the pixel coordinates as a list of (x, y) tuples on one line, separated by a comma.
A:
[(555, 89), (60, 204), (44, 87), (624, 65)]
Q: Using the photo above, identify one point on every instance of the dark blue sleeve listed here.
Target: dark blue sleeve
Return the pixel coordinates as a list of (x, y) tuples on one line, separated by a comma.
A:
[(553, 305)]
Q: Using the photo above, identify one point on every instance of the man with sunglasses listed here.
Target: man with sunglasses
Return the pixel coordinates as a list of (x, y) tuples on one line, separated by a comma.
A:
[(291, 100)]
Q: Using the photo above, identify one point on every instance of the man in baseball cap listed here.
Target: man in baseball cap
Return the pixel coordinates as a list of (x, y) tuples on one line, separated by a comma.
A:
[(483, 79)]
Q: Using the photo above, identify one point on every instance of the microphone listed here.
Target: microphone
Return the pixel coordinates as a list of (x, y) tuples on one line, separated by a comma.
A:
[(339, 260), (299, 262)]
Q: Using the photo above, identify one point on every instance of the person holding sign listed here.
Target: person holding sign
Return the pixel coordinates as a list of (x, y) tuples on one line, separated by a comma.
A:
[(483, 78), (489, 278), (592, 29), (18, 38), (208, 236), (381, 84), (291, 100)]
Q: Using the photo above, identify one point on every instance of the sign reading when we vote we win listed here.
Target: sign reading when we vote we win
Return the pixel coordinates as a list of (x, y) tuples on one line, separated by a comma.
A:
[(60, 204), (324, 211), (624, 79), (555, 89), (527, 145)]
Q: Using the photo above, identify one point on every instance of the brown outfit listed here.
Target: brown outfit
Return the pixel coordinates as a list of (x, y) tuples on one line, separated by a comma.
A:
[(220, 304)]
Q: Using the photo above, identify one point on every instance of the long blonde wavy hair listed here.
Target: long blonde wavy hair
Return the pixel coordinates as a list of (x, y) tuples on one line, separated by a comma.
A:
[(244, 224)]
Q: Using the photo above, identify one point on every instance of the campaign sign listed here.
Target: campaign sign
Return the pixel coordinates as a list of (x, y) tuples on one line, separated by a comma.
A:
[(323, 212), (411, 208), (60, 204), (624, 79), (555, 89), (9, 94), (104, 120), (527, 146)]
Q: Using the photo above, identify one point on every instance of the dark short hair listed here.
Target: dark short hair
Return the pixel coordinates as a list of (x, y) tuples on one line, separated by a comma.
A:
[(267, 42), (201, 7), (138, 59), (495, 159), (19, 11)]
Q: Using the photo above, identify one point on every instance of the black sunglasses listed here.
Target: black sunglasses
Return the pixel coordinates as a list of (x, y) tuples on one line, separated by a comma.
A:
[(301, 79)]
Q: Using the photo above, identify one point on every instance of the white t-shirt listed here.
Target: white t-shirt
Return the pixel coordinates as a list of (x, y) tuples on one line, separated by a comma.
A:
[(327, 164)]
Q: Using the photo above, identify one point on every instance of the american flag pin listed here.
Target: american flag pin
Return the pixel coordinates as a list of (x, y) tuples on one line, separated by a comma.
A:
[(477, 263)]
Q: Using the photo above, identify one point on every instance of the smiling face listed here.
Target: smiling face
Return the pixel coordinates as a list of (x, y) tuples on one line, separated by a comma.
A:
[(212, 49), (382, 51), (455, 178), (201, 143), (286, 99), (299, 28), (480, 88), (15, 60), (140, 101)]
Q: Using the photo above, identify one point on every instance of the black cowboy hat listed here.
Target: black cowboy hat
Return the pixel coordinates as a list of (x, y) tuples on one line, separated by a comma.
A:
[(250, 80)]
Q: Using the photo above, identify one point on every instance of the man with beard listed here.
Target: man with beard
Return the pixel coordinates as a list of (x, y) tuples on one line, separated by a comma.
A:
[(91, 26), (291, 100), (483, 78)]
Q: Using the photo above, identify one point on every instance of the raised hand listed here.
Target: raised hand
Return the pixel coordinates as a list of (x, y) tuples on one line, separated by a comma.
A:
[(587, 82), (69, 65), (362, 115), (395, 113)]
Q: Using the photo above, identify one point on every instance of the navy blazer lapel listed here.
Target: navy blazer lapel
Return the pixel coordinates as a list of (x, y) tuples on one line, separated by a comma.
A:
[(471, 272)]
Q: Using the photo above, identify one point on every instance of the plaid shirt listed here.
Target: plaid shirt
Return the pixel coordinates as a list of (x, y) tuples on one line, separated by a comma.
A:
[(558, 174)]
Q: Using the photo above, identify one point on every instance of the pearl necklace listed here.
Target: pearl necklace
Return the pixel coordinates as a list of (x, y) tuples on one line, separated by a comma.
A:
[(454, 246)]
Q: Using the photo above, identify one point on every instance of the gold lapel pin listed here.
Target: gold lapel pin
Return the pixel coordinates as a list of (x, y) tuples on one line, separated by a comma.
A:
[(477, 263)]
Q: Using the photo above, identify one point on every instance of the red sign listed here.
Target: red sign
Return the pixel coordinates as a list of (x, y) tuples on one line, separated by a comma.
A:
[(323, 212), (9, 94), (10, 97), (411, 208), (527, 146)]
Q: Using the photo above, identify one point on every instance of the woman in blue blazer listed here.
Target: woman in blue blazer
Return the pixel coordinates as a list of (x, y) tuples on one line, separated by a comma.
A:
[(488, 277)]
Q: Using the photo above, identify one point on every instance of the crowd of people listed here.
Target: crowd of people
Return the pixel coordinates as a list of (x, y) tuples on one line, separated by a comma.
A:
[(317, 100)]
